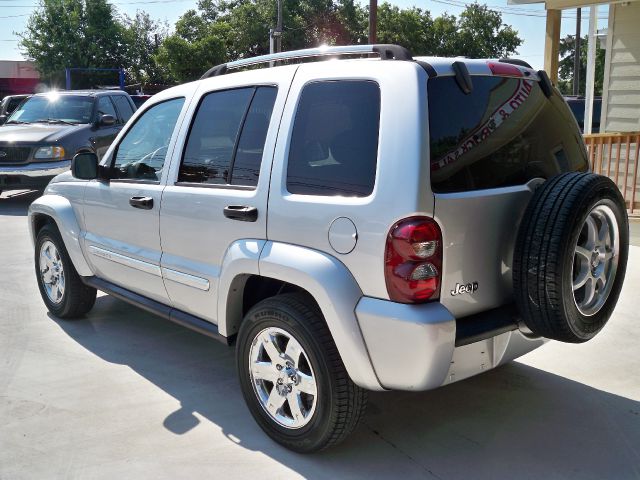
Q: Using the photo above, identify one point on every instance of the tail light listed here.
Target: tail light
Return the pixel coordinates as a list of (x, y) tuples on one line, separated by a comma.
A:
[(413, 260)]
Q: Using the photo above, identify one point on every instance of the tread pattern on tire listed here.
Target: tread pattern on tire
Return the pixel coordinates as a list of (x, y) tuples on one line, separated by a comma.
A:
[(81, 297), (538, 257), (351, 400)]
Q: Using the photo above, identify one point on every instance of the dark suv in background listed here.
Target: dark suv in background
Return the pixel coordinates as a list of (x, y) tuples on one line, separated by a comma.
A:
[(39, 139), (576, 104)]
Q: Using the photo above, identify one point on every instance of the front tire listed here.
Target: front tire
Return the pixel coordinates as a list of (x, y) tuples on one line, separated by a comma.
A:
[(60, 286), (292, 376)]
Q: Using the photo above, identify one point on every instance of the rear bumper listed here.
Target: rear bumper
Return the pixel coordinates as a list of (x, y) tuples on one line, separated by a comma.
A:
[(413, 347), (31, 175)]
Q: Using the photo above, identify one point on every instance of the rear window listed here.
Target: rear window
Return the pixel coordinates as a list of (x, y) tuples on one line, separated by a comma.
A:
[(504, 133)]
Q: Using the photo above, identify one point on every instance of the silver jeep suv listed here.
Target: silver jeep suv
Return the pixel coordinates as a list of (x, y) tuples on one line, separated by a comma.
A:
[(377, 223)]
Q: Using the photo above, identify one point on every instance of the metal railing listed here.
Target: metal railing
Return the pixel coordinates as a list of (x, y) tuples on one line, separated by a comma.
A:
[(616, 156)]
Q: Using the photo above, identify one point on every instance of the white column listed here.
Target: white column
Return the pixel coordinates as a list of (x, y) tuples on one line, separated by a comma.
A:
[(591, 68)]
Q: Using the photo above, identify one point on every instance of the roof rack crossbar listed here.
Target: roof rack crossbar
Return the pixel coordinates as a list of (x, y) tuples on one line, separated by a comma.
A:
[(385, 51)]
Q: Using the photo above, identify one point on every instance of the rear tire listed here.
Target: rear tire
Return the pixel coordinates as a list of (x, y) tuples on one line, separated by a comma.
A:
[(329, 404), (571, 256), (61, 288)]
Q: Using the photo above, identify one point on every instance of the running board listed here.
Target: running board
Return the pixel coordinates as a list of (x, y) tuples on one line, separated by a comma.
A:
[(168, 313)]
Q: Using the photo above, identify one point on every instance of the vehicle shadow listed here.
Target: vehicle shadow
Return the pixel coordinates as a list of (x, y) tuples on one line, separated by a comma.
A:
[(16, 203), (513, 422)]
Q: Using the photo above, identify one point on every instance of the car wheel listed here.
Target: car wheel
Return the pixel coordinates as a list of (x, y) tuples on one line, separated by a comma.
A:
[(571, 257), (292, 376), (64, 294)]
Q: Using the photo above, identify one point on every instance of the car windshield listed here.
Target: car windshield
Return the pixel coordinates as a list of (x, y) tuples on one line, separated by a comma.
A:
[(54, 109)]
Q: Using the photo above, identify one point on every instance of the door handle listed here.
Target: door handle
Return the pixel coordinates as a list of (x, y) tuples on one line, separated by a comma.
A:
[(241, 212), (145, 203)]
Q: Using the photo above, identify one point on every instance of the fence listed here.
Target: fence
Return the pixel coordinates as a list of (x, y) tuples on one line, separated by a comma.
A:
[(616, 156)]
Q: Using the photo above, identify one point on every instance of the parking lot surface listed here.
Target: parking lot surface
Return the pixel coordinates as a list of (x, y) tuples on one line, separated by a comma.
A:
[(123, 394)]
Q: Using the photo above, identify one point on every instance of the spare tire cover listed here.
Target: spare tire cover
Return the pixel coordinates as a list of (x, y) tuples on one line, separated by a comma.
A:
[(571, 256)]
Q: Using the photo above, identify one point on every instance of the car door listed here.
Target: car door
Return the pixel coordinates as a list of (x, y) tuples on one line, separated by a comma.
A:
[(103, 135), (122, 215), (223, 164)]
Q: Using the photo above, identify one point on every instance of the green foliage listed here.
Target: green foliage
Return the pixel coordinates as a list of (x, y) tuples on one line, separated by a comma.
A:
[(565, 69), (477, 32), (481, 34), (73, 33), (143, 37), (187, 58), (88, 33)]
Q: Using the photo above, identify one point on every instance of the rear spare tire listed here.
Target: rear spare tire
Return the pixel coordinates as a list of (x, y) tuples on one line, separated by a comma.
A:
[(571, 256)]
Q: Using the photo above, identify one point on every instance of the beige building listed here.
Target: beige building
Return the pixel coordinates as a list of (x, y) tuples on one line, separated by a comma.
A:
[(621, 89)]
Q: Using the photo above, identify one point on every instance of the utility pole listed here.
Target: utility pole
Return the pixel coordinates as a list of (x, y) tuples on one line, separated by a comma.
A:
[(373, 21), (576, 59), (275, 34), (278, 31)]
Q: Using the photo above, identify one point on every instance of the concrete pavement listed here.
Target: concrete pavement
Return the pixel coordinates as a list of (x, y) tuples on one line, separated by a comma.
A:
[(123, 394)]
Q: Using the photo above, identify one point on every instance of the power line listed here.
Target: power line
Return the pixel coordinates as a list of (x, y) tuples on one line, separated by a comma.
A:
[(517, 11)]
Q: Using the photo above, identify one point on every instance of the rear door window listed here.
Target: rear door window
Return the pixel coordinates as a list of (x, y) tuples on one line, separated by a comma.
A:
[(227, 137), (334, 144), (504, 133)]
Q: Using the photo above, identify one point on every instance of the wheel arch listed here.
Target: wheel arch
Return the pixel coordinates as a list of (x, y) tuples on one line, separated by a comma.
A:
[(284, 267), (57, 210)]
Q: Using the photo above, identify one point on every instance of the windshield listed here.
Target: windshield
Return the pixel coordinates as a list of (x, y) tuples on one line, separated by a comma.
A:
[(54, 109), (504, 133)]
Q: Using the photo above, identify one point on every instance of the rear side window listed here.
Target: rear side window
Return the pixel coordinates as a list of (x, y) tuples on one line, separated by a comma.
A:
[(227, 137), (246, 165), (504, 133), (334, 145), (123, 106)]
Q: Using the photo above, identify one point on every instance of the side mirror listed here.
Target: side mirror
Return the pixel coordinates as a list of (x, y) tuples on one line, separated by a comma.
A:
[(85, 166), (106, 120), (3, 119)]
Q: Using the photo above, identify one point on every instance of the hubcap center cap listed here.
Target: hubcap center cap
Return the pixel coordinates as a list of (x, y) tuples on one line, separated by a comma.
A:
[(595, 257)]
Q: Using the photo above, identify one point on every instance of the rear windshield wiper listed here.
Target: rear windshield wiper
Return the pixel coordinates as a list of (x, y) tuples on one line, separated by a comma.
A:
[(55, 120)]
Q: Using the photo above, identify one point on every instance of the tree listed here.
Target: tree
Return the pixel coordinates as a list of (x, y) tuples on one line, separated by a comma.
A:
[(223, 30), (186, 59), (481, 34), (565, 70), (477, 33), (73, 33), (143, 37), (412, 28)]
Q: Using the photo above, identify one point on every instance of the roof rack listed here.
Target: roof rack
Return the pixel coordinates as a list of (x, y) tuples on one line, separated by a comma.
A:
[(385, 51)]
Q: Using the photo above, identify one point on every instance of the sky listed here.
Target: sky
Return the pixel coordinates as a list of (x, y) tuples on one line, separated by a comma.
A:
[(528, 20)]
